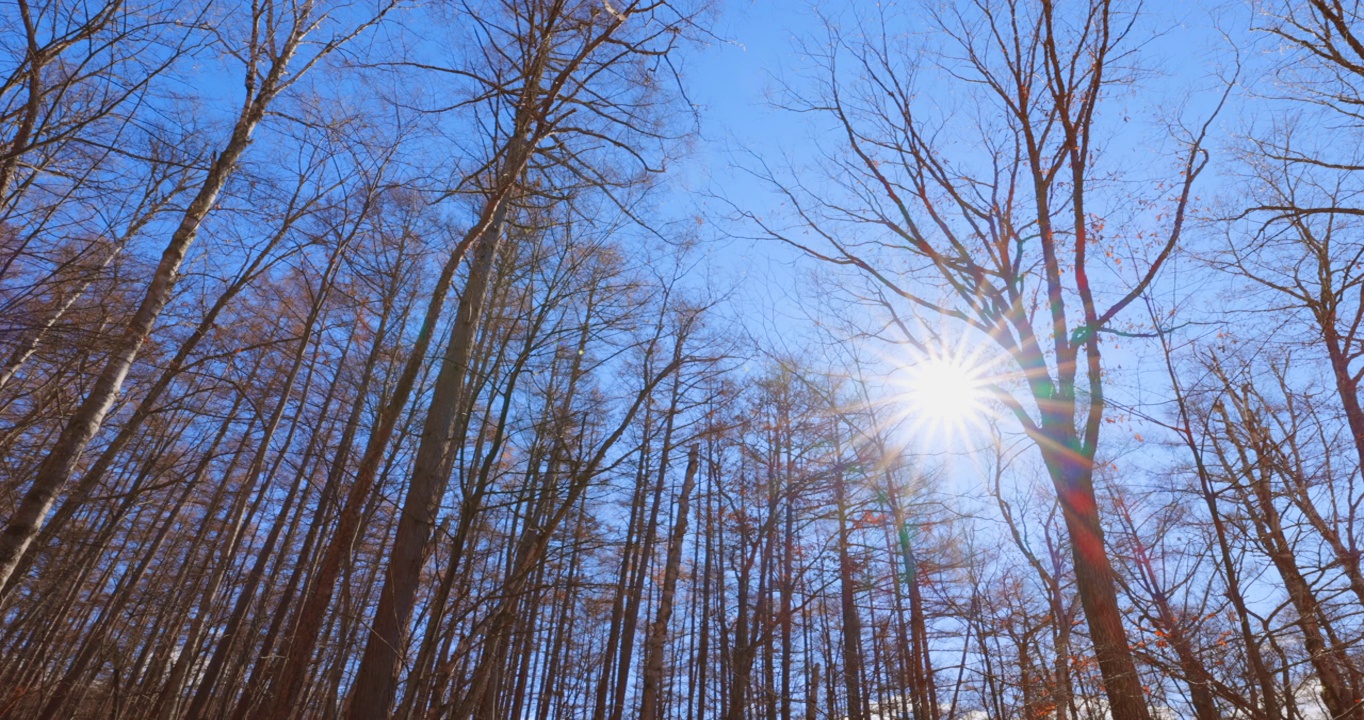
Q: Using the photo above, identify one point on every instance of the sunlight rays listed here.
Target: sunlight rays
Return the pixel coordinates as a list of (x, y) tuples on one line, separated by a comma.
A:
[(945, 390), (946, 393)]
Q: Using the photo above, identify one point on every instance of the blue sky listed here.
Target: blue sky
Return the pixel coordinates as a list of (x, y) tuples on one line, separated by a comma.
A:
[(736, 81), (1185, 47)]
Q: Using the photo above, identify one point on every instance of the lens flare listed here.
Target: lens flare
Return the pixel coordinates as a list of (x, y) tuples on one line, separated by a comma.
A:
[(946, 394), (946, 390)]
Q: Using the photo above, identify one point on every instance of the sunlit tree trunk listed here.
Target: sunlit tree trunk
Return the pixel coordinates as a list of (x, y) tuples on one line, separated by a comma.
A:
[(62, 459)]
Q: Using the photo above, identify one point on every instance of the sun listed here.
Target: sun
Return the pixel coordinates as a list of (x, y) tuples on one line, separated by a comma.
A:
[(947, 390)]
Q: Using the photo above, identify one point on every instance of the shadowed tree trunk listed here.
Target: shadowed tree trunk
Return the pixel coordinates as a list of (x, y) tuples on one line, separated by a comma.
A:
[(658, 632), (377, 677)]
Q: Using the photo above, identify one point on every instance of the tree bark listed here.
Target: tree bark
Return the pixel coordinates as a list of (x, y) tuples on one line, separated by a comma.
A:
[(657, 635), (376, 682), (852, 623)]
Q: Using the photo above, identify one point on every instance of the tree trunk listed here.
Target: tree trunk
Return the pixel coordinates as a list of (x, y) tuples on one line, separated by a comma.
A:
[(377, 676), (852, 624), (1072, 474), (657, 635), (289, 683), (1253, 460)]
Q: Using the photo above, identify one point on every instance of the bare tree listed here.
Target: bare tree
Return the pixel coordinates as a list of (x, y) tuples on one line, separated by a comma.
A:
[(998, 238), (275, 60)]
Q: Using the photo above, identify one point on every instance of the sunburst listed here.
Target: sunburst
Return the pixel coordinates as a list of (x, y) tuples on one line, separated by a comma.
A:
[(946, 391)]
